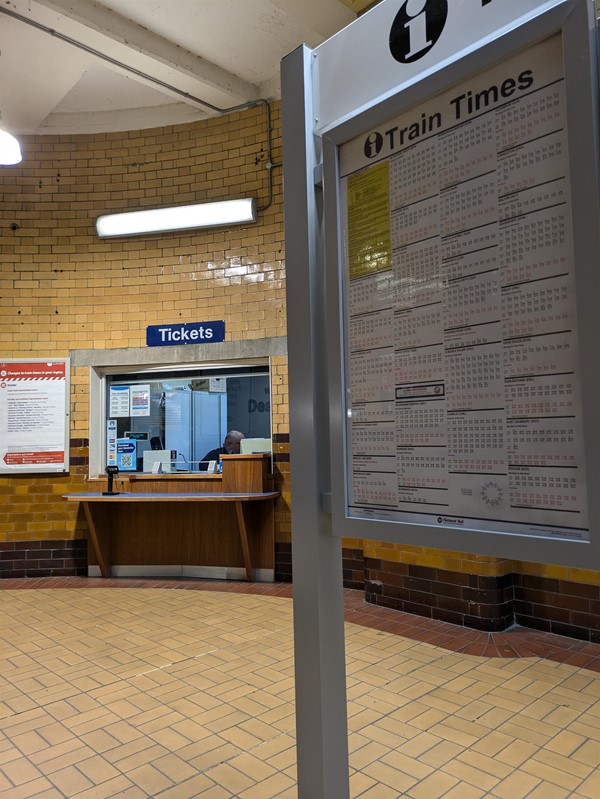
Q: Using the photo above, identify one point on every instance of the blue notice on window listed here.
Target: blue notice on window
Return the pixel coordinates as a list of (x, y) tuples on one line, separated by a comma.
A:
[(190, 333), (126, 454)]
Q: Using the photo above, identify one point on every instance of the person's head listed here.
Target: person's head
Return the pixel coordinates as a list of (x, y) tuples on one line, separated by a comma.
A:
[(232, 442)]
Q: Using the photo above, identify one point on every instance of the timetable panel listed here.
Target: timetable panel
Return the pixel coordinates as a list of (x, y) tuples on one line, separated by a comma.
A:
[(461, 344)]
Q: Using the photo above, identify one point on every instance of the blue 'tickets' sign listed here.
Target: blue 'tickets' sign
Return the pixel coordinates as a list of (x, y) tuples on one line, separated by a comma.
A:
[(191, 333)]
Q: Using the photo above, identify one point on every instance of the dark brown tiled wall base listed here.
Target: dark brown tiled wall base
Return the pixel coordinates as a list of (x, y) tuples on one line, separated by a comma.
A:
[(486, 603), (483, 603), (283, 563), (558, 606), (51, 558), (353, 565)]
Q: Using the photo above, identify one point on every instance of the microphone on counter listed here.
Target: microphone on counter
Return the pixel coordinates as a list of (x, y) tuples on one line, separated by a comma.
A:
[(111, 471)]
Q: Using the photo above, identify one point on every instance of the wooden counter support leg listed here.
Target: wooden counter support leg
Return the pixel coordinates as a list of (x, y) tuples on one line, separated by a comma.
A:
[(239, 509), (100, 552)]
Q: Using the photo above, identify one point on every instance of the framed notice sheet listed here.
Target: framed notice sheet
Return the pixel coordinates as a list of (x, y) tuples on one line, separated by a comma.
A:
[(34, 416), (466, 315)]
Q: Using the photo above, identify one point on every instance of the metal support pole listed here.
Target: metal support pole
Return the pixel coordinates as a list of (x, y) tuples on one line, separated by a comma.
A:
[(321, 716)]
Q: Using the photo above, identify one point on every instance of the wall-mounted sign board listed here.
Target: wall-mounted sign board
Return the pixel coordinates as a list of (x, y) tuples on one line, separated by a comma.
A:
[(34, 415), (188, 333), (463, 245), (442, 249)]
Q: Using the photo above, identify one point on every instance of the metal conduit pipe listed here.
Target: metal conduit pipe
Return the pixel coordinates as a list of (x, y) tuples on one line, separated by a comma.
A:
[(269, 166)]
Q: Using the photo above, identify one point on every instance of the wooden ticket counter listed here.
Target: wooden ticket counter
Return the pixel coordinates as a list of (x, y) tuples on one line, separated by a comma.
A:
[(187, 525)]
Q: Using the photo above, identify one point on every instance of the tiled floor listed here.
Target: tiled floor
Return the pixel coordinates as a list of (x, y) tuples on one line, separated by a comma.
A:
[(117, 689)]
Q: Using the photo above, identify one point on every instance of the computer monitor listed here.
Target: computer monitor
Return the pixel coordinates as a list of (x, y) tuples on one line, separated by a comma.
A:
[(252, 446), (157, 460)]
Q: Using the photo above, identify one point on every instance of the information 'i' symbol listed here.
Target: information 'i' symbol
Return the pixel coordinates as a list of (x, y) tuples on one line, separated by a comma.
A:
[(416, 28)]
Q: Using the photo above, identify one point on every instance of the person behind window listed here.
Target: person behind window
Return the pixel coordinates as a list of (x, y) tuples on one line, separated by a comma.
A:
[(231, 446)]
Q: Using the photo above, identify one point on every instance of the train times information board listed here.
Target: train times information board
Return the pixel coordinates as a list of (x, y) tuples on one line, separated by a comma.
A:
[(461, 352)]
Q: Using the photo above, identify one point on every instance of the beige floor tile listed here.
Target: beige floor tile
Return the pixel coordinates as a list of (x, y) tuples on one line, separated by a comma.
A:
[(566, 764), (461, 735), (97, 769), (418, 746), (107, 790), (174, 768), (389, 732), (441, 753), (229, 778), (516, 753), (379, 792), (434, 786), (253, 767), (362, 718), (20, 770), (493, 743), (140, 758), (219, 754), (260, 730), (545, 790), (524, 730), (586, 730), (216, 792), (283, 718), (29, 743), (189, 788), (470, 775), (150, 779), (515, 786), (70, 781), (387, 775), (29, 790), (488, 765), (553, 775), (574, 701), (61, 755), (240, 738), (367, 754), (359, 784), (149, 721), (590, 788), (565, 743), (407, 765), (561, 716), (269, 788), (144, 692), (588, 753)]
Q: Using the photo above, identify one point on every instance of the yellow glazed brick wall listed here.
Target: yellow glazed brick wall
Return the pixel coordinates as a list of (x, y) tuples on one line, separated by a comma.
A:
[(62, 288)]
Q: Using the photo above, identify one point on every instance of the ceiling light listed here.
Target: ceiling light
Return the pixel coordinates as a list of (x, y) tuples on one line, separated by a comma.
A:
[(10, 149), (181, 217)]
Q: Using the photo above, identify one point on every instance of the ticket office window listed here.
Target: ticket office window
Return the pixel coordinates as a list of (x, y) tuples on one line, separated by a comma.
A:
[(178, 416)]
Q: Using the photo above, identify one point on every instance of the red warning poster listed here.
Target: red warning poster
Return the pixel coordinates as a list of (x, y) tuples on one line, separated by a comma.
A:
[(33, 416)]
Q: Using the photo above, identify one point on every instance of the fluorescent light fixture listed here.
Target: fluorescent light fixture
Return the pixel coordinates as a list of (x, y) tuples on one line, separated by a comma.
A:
[(181, 217), (10, 150)]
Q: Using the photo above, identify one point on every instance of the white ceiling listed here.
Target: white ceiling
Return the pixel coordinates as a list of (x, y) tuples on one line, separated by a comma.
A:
[(225, 52)]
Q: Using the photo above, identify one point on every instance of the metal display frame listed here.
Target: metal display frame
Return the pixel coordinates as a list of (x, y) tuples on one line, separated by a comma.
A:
[(580, 67), (316, 123)]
